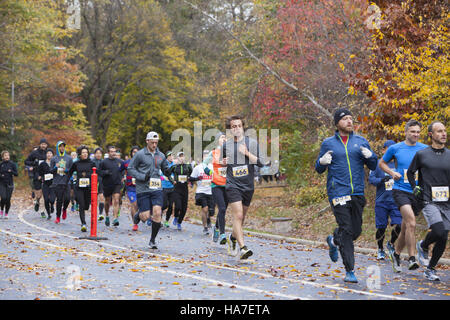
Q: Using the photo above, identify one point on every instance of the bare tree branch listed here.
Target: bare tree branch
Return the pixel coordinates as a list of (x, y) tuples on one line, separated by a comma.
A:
[(261, 62)]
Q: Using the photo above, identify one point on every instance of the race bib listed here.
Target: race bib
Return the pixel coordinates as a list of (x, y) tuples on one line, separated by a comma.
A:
[(84, 182), (60, 171), (222, 171), (48, 177), (155, 183), (439, 194), (240, 171), (341, 200), (182, 178), (405, 176), (206, 183), (389, 184)]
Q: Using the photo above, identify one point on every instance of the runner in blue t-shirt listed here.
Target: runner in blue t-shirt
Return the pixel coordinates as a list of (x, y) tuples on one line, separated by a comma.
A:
[(131, 186), (403, 153)]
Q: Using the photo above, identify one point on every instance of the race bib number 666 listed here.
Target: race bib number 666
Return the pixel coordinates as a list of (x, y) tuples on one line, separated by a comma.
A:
[(240, 171)]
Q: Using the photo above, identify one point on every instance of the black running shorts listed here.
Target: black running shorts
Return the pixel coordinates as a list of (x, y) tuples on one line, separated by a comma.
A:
[(402, 197)]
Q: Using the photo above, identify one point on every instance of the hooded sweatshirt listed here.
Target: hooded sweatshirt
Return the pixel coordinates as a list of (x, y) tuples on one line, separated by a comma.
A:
[(60, 175)]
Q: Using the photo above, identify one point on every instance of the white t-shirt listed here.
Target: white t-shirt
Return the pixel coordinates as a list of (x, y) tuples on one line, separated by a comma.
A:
[(204, 185)]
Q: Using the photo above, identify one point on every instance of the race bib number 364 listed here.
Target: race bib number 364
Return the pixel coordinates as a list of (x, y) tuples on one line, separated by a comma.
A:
[(155, 183)]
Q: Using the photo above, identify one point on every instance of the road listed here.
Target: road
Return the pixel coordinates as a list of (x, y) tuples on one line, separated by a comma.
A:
[(42, 260)]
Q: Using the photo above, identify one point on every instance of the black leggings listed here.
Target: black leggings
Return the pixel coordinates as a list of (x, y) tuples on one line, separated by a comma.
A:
[(438, 235), (180, 198), (220, 199), (5, 195), (62, 193), (83, 196), (394, 235), (168, 200), (49, 197)]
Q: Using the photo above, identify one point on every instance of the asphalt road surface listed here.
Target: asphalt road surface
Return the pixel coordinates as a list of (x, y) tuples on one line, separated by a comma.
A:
[(42, 260)]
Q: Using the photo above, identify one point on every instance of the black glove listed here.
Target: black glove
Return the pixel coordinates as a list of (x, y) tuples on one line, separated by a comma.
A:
[(386, 179), (147, 176)]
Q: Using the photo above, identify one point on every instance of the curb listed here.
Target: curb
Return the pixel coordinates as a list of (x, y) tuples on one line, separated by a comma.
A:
[(311, 242)]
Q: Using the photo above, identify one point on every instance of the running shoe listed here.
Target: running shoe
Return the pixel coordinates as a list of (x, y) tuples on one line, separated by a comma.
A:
[(223, 239), (350, 277), (49, 216), (72, 208), (107, 221), (396, 262), (413, 265), (152, 245), (5, 216), (166, 224), (36, 206), (83, 228), (52, 208), (135, 227), (333, 251), (245, 253), (216, 235), (205, 231), (431, 275), (381, 254), (422, 254), (231, 246), (136, 218), (43, 215), (1, 214), (101, 217), (208, 222), (179, 227), (390, 247), (57, 221), (64, 214), (116, 222), (175, 221)]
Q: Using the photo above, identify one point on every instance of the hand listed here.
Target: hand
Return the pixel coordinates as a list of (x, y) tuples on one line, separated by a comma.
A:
[(326, 158), (365, 152), (243, 149), (147, 176), (397, 176), (417, 191), (224, 161), (386, 179)]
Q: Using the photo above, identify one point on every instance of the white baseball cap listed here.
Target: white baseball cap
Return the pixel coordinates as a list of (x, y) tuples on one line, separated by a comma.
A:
[(152, 135)]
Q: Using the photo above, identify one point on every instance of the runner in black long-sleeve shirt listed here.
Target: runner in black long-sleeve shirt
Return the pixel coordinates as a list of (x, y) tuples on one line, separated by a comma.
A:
[(34, 159), (433, 166), (46, 176), (83, 167), (112, 179), (8, 169)]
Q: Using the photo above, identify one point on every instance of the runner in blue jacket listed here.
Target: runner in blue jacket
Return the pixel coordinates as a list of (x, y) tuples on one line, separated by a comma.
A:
[(385, 207), (344, 156)]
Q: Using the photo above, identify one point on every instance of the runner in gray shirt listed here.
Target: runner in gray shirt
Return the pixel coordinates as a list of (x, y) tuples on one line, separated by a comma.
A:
[(240, 154)]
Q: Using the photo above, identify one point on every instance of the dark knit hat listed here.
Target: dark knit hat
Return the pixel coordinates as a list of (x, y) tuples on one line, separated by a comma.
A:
[(340, 113)]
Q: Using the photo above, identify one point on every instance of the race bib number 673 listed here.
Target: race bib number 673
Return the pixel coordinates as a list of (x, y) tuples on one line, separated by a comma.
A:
[(439, 194)]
